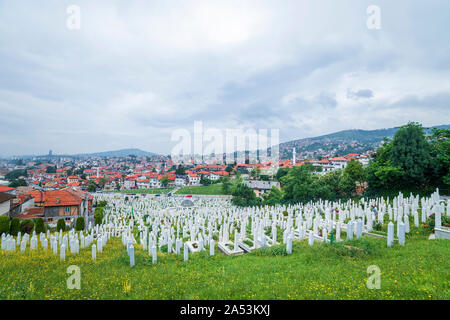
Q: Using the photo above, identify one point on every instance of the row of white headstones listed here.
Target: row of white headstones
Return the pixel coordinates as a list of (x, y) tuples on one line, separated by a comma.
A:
[(217, 216), (164, 223)]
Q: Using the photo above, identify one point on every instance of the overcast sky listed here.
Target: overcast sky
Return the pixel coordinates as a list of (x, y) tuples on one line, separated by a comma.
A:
[(138, 70)]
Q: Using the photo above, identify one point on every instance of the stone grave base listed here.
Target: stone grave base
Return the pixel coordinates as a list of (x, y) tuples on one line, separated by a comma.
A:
[(442, 233), (245, 246), (229, 252), (191, 245)]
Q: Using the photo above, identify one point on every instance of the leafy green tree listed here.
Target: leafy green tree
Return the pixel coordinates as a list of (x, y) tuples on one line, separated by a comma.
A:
[(98, 215), (205, 181), (281, 173), (101, 182), (256, 173), (229, 168), (91, 187), (61, 225), (226, 185), (274, 196), (441, 153), (180, 170), (4, 224), (298, 183), (26, 226), (243, 195), (15, 174), (14, 228), (79, 224), (164, 181), (50, 169), (17, 183), (40, 227), (412, 153)]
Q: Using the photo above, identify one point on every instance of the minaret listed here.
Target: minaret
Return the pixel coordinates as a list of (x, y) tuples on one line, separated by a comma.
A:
[(98, 172), (293, 157)]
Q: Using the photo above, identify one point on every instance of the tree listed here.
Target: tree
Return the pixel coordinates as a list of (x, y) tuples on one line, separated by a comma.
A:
[(26, 226), (15, 174), (14, 228), (40, 227), (440, 140), (298, 183), (101, 182), (164, 181), (98, 214), (229, 169), (205, 181), (274, 196), (92, 187), (4, 224), (255, 173), (17, 183), (281, 173), (412, 153), (226, 185), (243, 195), (50, 169), (61, 225), (355, 171), (180, 170), (79, 224)]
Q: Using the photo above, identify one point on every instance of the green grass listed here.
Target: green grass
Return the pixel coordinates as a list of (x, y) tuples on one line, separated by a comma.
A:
[(213, 189), (143, 191), (418, 270)]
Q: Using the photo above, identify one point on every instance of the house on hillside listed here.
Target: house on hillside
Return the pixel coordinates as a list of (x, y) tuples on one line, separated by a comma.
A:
[(261, 187), (6, 203)]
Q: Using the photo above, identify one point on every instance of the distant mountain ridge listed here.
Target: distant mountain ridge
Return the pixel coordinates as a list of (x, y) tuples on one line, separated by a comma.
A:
[(341, 142), (119, 153)]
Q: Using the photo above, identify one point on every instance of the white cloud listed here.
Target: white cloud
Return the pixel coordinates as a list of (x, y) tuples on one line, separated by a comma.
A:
[(137, 70)]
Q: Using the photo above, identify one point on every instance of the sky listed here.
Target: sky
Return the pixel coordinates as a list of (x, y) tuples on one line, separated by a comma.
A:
[(137, 71)]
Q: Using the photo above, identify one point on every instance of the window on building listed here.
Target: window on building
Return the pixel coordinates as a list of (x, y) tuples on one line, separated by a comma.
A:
[(67, 210)]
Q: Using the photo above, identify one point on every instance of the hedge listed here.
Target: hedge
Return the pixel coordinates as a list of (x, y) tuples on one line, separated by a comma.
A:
[(4, 224), (14, 228), (79, 224), (40, 227), (61, 225), (26, 226)]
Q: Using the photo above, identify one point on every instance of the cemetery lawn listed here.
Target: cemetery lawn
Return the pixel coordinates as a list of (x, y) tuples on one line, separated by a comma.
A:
[(418, 270), (213, 189), (143, 191)]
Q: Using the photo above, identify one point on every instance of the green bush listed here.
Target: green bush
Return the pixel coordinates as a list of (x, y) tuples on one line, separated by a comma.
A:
[(61, 225), (40, 227), (98, 214), (14, 228), (26, 226), (4, 224), (79, 224)]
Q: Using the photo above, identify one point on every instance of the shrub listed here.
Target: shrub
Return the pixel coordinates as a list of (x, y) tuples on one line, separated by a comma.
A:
[(98, 214), (14, 228), (61, 225), (40, 227), (26, 226), (79, 224), (4, 224)]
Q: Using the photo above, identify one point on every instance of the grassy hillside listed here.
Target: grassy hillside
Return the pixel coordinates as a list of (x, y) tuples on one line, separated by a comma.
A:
[(419, 270), (213, 189)]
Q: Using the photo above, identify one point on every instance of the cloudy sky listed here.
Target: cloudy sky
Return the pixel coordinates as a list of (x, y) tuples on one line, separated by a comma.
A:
[(136, 71)]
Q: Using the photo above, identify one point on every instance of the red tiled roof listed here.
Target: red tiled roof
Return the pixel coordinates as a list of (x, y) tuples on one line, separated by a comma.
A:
[(5, 188)]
